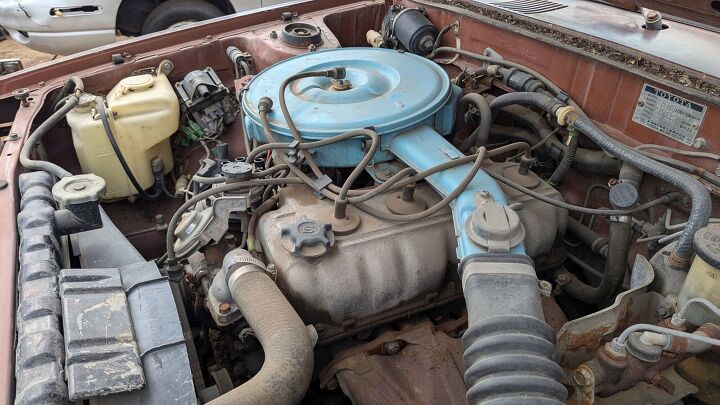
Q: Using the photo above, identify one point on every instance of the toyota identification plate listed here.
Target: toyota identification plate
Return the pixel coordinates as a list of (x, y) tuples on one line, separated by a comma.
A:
[(669, 114)]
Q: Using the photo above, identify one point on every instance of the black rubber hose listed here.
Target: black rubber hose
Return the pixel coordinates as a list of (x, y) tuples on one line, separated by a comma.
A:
[(37, 135), (481, 134), (288, 366), (699, 195), (509, 351), (615, 266), (100, 104), (588, 237), (567, 160), (586, 160), (545, 103)]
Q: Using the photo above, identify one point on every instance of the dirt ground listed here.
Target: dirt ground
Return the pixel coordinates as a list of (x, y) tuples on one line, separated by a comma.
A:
[(10, 49)]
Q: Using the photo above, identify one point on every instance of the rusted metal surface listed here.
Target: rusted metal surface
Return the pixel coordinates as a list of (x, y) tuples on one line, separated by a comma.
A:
[(579, 339), (607, 90), (613, 372), (702, 11), (423, 357), (703, 371), (681, 44), (672, 388)]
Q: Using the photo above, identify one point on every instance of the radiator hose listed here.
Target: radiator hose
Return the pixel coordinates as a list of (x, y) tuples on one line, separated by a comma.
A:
[(509, 350), (287, 370)]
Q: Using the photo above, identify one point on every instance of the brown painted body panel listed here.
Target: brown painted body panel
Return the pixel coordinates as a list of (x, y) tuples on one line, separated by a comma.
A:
[(607, 90)]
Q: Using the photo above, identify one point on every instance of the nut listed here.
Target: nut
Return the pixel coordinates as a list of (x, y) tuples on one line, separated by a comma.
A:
[(224, 308), (391, 347), (583, 376)]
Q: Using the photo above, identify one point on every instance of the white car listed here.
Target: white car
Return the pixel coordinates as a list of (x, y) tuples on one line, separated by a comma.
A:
[(63, 27)]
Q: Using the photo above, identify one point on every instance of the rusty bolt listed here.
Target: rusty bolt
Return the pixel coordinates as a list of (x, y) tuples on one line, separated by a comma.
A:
[(583, 376), (312, 48), (13, 137), (391, 347), (273, 34), (653, 15), (641, 103), (22, 95), (224, 308)]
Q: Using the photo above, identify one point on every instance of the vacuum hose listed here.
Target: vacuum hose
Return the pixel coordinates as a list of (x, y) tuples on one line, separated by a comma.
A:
[(510, 352), (615, 265), (699, 195), (287, 370), (69, 103)]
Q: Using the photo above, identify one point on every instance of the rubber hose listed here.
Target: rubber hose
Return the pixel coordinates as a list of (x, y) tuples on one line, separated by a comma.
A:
[(538, 100), (567, 160), (481, 134), (586, 160), (615, 265), (509, 351), (699, 195), (588, 237), (37, 135), (288, 367)]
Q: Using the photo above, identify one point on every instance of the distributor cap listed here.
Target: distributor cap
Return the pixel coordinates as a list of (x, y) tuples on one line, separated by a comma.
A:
[(237, 170)]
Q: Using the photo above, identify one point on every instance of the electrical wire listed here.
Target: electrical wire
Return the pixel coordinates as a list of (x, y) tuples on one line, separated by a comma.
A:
[(170, 235)]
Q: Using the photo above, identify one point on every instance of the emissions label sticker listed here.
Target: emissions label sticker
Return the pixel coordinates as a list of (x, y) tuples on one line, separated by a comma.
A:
[(669, 114)]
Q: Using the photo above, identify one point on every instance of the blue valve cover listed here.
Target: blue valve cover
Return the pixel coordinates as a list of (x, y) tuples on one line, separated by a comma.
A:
[(390, 91)]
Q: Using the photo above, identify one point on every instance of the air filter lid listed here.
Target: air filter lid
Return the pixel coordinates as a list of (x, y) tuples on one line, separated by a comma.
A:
[(385, 89)]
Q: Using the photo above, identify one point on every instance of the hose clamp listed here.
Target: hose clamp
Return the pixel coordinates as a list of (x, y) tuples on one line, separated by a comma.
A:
[(621, 218), (243, 264)]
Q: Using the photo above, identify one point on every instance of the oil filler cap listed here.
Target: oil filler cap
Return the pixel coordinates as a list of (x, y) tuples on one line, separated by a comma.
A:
[(494, 226), (307, 238)]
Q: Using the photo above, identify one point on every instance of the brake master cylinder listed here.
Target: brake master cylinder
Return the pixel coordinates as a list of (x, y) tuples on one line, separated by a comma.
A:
[(143, 112)]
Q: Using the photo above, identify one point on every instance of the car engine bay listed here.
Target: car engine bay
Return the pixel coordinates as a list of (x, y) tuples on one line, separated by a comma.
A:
[(366, 204)]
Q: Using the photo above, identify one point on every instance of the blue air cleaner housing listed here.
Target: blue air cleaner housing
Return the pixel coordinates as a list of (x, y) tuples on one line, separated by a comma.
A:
[(390, 91)]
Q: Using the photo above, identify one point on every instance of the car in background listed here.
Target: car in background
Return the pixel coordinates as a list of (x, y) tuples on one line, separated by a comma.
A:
[(69, 26)]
